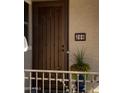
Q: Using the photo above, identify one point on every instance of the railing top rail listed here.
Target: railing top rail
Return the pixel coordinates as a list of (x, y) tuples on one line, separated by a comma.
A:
[(58, 71)]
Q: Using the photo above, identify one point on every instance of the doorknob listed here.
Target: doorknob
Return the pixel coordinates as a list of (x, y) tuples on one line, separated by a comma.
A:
[(68, 52)]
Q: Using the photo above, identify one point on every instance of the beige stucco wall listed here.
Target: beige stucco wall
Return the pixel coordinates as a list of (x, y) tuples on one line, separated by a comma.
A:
[(84, 17)]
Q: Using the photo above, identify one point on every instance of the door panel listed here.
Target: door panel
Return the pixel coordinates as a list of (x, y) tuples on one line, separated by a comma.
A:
[(49, 36)]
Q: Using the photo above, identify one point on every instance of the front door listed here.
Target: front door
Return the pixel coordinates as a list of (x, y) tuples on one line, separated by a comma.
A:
[(50, 35)]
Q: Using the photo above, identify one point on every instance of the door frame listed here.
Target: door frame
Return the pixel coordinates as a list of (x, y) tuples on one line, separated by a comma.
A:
[(66, 6)]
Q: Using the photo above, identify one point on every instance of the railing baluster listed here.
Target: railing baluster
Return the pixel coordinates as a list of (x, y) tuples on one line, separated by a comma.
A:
[(78, 83), (49, 82), (63, 83), (56, 82), (85, 83), (43, 82), (24, 82), (92, 83), (30, 81), (36, 82), (70, 82)]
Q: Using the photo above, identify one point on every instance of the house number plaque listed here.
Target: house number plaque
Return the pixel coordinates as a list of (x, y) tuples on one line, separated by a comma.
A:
[(80, 36)]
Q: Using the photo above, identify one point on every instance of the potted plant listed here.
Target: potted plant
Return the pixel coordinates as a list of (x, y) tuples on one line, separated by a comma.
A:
[(80, 66)]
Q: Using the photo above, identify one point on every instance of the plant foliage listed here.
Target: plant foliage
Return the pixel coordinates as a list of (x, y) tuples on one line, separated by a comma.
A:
[(80, 64)]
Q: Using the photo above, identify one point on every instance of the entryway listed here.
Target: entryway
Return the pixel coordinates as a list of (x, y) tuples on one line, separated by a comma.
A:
[(50, 35), (50, 38)]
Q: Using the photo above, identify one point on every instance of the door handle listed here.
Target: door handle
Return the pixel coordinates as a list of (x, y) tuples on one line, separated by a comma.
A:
[(68, 52)]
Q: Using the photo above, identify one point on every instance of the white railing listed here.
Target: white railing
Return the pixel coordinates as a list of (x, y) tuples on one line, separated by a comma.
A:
[(54, 81)]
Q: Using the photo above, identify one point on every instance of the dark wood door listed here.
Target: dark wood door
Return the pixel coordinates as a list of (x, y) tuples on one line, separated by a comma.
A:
[(50, 35)]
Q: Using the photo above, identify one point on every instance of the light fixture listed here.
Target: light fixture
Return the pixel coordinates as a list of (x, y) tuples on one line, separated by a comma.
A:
[(25, 45)]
